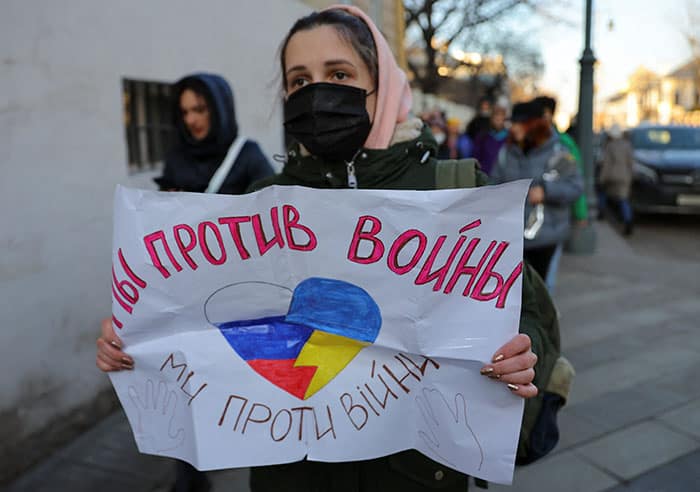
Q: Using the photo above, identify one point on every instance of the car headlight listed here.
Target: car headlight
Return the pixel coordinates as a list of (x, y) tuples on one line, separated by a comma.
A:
[(645, 173)]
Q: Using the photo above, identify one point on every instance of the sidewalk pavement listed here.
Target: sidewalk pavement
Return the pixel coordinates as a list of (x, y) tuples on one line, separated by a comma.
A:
[(629, 326)]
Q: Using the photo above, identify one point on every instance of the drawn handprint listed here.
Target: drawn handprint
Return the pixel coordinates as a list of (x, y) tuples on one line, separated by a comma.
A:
[(154, 430), (447, 425)]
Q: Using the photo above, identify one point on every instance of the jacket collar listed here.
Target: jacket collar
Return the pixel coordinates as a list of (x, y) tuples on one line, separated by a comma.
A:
[(412, 144)]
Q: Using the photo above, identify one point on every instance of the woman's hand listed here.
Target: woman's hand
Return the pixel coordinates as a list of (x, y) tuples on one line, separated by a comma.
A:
[(109, 350), (513, 364), (535, 195)]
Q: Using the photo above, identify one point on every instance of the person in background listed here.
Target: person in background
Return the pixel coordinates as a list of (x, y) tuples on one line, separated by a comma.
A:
[(338, 71), (533, 151), (437, 123), (206, 127), (457, 145), (482, 121), (615, 179), (579, 209), (488, 144), (549, 107)]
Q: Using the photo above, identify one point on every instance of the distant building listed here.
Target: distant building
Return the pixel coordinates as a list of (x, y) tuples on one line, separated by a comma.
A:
[(681, 95), (616, 111), (673, 98)]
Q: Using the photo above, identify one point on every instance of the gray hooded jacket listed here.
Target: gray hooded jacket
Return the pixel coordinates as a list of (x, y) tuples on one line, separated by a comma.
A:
[(552, 167)]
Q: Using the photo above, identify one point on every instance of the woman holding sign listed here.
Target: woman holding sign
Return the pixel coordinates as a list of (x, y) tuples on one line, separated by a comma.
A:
[(339, 76)]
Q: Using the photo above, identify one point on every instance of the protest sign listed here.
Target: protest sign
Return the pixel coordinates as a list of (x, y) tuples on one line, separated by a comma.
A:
[(336, 325)]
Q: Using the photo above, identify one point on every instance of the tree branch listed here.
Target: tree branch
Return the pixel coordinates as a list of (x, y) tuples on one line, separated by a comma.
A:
[(452, 20)]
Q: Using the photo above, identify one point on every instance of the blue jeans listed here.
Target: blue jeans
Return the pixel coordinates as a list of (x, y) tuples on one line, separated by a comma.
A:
[(551, 279), (624, 203)]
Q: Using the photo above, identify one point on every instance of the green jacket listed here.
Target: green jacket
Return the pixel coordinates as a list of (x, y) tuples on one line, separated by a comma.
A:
[(397, 168), (580, 207)]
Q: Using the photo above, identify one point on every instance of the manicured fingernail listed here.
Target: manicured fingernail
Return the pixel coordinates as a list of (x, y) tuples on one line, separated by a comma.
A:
[(127, 361), (486, 370), (115, 344), (499, 357), (495, 376), (128, 367), (513, 387)]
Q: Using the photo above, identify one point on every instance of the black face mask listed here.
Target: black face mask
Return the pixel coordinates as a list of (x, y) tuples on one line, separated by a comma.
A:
[(330, 120)]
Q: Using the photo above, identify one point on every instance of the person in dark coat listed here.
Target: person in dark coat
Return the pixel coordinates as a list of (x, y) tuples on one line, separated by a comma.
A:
[(205, 129), (482, 121)]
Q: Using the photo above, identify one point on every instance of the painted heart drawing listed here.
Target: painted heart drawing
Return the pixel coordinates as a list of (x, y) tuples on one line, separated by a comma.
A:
[(298, 344)]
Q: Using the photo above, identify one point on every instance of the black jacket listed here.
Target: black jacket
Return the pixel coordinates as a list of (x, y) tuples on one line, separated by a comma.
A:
[(190, 164)]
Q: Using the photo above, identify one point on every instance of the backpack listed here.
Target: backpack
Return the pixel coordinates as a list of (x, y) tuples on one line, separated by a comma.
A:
[(539, 432)]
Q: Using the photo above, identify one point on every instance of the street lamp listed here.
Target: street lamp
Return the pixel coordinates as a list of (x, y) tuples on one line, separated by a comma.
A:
[(585, 127), (585, 113)]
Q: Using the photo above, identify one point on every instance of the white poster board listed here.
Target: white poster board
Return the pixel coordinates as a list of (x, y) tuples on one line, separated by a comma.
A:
[(336, 325)]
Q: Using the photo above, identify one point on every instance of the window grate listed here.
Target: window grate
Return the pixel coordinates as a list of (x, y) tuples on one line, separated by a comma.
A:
[(148, 123)]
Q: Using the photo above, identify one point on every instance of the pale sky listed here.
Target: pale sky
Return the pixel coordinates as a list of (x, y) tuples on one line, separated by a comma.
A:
[(646, 32)]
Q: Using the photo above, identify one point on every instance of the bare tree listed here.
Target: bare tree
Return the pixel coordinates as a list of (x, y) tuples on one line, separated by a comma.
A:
[(693, 31), (443, 24), (523, 60), (692, 34)]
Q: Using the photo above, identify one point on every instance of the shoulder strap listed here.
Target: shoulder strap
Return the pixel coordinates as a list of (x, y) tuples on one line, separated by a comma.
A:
[(455, 174), (225, 168)]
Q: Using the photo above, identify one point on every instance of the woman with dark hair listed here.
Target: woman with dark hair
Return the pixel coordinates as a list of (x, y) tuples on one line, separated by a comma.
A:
[(347, 106), (533, 151), (206, 130)]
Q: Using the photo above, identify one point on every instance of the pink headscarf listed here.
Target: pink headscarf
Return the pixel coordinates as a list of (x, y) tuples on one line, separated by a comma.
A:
[(394, 97)]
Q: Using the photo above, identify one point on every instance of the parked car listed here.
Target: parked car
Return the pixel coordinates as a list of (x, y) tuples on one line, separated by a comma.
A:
[(666, 169)]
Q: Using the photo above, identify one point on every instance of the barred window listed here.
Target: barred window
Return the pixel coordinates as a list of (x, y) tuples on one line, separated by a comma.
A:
[(148, 122)]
